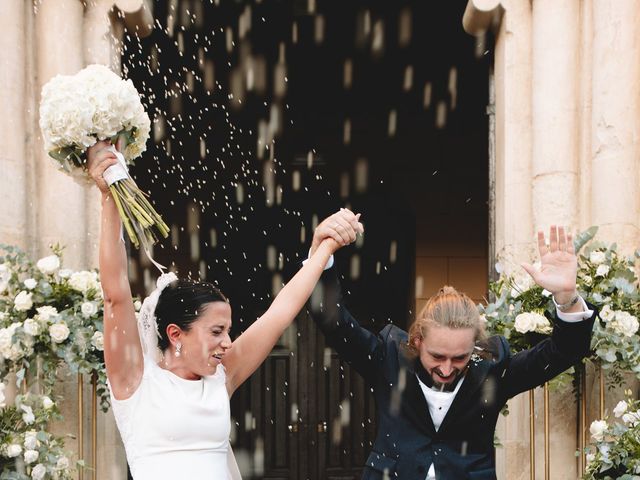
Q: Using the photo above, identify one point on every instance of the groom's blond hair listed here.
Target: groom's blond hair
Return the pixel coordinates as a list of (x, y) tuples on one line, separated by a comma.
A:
[(447, 308)]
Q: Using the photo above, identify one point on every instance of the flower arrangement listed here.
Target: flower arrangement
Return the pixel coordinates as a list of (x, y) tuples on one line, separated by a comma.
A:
[(49, 315), (96, 104), (615, 451), (28, 451), (522, 310)]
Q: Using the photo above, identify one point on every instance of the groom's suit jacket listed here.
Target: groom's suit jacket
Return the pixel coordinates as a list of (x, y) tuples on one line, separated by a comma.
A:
[(407, 442)]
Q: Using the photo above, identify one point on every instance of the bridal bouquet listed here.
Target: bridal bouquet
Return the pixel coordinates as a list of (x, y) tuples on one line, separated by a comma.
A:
[(96, 104)]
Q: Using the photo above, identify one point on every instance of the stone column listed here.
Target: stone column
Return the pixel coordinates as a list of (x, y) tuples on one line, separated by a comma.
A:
[(555, 126), (514, 216), (13, 181), (100, 46), (512, 75), (615, 199), (584, 108), (556, 142), (60, 205)]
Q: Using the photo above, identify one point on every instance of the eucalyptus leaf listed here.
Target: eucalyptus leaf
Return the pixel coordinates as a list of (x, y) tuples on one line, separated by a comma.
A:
[(583, 237)]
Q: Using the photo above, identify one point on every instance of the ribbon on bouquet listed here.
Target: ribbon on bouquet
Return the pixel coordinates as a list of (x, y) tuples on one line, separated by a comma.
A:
[(114, 174)]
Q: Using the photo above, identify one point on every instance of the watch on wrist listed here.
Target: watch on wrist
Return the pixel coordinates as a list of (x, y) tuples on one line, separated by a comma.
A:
[(566, 306)]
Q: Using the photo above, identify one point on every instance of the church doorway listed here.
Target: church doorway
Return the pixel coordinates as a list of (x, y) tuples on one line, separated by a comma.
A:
[(269, 115)]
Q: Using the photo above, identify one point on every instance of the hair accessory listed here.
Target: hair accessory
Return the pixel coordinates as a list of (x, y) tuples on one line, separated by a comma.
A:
[(147, 322)]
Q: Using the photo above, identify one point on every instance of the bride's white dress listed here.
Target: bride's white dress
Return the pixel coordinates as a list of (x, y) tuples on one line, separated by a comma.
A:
[(174, 428)]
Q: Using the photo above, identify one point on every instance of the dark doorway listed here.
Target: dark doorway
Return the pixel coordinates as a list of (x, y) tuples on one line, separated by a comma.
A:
[(269, 115)]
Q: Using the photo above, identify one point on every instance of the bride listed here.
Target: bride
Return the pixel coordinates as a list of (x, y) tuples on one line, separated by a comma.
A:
[(172, 372)]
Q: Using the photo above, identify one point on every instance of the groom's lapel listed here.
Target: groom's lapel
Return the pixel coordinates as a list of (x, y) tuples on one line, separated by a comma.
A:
[(469, 394), (413, 403)]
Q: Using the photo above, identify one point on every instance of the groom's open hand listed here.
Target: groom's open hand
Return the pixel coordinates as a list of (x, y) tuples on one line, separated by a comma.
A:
[(559, 265)]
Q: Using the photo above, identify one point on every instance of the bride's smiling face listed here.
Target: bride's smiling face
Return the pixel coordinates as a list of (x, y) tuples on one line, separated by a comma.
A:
[(205, 344)]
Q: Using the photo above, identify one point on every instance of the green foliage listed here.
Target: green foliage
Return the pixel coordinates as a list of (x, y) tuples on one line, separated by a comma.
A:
[(606, 279), (49, 316)]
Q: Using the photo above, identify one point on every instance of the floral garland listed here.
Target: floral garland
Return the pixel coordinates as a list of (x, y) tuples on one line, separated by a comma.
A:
[(48, 316), (522, 311)]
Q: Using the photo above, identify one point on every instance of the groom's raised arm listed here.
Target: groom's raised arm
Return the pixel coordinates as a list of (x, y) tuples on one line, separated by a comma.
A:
[(353, 343)]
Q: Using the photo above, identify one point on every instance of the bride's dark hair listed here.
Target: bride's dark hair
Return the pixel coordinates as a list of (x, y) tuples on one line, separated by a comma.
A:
[(181, 302)]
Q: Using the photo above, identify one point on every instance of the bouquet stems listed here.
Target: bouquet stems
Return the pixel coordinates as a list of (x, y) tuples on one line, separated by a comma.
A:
[(141, 221)]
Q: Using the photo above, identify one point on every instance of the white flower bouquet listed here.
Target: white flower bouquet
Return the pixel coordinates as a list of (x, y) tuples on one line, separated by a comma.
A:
[(96, 104), (27, 450), (615, 451)]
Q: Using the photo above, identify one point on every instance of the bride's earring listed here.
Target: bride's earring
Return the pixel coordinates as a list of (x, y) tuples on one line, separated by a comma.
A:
[(178, 348)]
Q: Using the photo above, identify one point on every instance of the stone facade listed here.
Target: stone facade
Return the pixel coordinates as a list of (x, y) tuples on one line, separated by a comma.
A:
[(566, 85), (39, 40), (567, 110)]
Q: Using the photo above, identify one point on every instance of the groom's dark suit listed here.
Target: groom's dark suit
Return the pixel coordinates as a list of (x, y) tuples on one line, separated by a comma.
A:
[(407, 442)]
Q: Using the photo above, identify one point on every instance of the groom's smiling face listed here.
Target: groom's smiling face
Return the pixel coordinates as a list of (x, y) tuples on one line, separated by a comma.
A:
[(445, 352)]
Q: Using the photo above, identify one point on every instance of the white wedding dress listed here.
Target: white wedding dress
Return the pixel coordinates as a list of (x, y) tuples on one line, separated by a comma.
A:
[(176, 429)]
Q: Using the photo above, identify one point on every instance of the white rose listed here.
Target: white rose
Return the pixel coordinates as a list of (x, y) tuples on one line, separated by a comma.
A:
[(632, 418), (47, 403), (65, 273), (597, 429), (542, 324), (38, 472), (88, 309), (6, 338), (5, 276), (624, 323), (83, 281), (525, 322), (30, 456), (590, 457), (98, 341), (63, 463), (2, 396), (30, 440), (28, 417), (602, 270), (59, 332), (30, 283), (14, 450), (48, 265), (137, 305), (587, 280), (31, 327), (597, 257), (46, 313), (23, 301), (621, 407), (607, 314)]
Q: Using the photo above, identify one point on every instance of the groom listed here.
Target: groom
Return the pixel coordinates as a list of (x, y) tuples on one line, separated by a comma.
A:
[(437, 400)]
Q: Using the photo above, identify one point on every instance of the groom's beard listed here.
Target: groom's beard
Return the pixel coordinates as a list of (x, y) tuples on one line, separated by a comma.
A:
[(428, 378)]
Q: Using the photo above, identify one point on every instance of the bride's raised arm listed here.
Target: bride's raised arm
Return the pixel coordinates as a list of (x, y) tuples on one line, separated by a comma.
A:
[(122, 349), (252, 347)]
